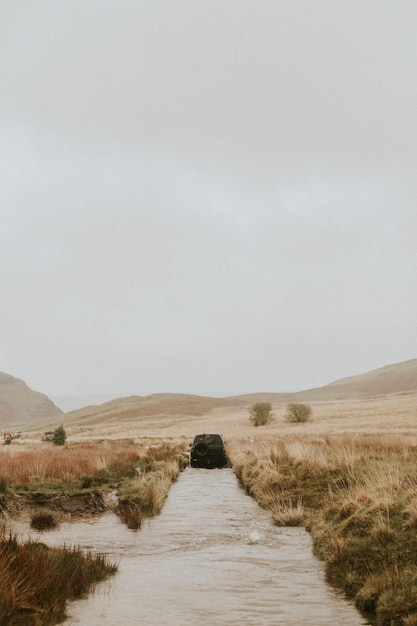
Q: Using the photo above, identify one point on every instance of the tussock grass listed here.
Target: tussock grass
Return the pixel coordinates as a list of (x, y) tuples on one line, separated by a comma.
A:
[(151, 491), (36, 581), (288, 514), (43, 521), (357, 495)]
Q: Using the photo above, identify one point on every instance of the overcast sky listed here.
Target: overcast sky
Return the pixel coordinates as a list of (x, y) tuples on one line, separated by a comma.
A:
[(206, 196)]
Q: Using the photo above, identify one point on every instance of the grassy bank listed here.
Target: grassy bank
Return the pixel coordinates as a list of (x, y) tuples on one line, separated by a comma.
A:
[(76, 468), (141, 474), (144, 494), (357, 495), (36, 581)]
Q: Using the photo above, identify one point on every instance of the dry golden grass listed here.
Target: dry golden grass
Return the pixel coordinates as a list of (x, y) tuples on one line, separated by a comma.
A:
[(28, 466), (288, 514)]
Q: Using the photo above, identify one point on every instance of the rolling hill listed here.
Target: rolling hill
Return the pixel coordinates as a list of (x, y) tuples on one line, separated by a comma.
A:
[(20, 407), (396, 378), (161, 408)]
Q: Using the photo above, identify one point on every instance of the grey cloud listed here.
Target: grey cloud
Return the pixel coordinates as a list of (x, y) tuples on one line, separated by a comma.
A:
[(206, 196)]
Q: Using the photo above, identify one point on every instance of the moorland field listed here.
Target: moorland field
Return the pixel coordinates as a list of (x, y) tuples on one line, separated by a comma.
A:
[(349, 475), (384, 400)]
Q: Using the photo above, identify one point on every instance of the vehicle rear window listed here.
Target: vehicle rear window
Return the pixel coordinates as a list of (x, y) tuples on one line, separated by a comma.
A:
[(210, 439)]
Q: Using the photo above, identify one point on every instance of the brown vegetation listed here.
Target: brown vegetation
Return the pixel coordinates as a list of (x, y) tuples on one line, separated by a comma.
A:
[(36, 581), (67, 469), (53, 477)]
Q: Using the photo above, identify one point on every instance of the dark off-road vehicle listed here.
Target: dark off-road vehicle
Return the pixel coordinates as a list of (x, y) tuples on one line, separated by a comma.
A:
[(208, 451)]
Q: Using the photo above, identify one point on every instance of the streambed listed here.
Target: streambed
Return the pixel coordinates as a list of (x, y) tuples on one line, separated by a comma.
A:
[(212, 556)]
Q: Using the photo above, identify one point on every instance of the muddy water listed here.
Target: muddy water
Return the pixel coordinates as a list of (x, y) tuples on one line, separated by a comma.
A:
[(212, 557)]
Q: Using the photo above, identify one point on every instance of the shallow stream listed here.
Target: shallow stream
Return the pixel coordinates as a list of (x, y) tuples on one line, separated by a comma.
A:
[(212, 557)]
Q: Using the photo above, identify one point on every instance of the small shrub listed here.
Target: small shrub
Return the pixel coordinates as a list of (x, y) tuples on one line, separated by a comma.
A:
[(59, 436), (43, 521), (260, 413), (298, 413)]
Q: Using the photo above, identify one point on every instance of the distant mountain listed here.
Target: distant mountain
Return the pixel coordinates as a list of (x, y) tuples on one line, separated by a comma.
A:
[(391, 379), (20, 405)]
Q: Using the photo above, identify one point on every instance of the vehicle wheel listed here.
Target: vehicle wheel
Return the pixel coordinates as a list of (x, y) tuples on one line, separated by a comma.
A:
[(201, 449)]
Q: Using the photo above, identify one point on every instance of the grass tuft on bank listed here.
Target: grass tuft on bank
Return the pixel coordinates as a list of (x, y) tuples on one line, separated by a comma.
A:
[(36, 581)]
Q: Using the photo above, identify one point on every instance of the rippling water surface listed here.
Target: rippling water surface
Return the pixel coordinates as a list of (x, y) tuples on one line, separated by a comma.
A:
[(212, 557)]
